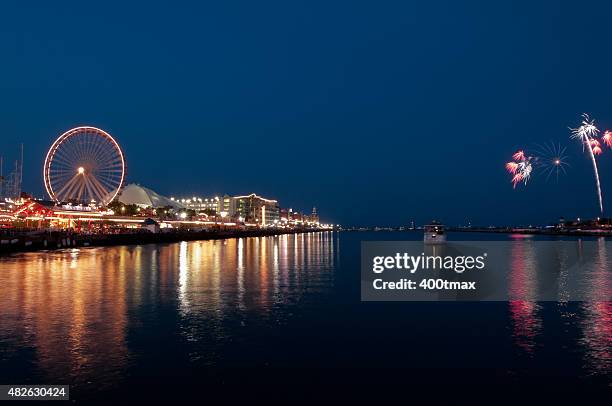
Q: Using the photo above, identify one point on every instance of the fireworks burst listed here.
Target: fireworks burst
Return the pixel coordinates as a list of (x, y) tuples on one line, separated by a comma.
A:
[(607, 138), (587, 133), (519, 155), (520, 168), (552, 159)]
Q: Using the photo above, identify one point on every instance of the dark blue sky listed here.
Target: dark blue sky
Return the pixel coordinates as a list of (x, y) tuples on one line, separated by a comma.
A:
[(377, 112)]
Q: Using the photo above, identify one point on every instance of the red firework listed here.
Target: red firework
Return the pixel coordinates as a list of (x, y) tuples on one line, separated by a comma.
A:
[(607, 138)]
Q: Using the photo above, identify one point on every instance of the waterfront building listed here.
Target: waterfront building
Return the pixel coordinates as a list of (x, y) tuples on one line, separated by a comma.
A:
[(314, 216), (253, 209), (247, 211), (286, 215), (229, 205), (297, 218), (210, 205), (562, 222)]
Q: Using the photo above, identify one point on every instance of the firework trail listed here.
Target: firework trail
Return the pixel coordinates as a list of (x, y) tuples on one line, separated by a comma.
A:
[(587, 134), (520, 168)]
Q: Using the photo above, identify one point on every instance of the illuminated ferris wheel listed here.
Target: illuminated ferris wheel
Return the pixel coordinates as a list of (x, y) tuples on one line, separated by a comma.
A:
[(84, 165)]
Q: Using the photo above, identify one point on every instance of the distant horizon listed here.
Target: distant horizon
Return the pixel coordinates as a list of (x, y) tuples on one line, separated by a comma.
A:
[(375, 114), (44, 196)]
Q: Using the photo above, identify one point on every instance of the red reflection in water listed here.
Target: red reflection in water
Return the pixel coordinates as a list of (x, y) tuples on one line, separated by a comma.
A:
[(597, 323), (526, 324), (597, 338)]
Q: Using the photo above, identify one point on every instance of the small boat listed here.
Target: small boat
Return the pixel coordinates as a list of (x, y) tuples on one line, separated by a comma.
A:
[(434, 233)]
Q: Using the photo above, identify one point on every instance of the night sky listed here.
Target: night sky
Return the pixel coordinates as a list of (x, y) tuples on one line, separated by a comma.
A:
[(376, 112)]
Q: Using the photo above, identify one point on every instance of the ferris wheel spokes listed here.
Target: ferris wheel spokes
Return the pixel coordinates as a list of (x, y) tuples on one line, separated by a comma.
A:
[(85, 165)]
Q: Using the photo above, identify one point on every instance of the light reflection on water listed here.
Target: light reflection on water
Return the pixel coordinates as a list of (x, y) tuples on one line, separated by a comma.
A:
[(597, 321), (101, 314), (593, 316), (68, 313), (69, 310), (526, 323)]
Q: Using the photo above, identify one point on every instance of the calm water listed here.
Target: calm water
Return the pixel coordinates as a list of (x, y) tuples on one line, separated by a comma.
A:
[(195, 314)]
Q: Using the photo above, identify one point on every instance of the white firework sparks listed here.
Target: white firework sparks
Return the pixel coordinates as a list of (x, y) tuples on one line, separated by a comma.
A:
[(587, 134), (520, 168)]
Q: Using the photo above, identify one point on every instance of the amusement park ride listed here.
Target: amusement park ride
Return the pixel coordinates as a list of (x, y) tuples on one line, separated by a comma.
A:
[(84, 165), (84, 170)]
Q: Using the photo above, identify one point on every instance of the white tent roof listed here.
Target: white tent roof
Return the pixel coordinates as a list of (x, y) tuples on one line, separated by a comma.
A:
[(141, 196)]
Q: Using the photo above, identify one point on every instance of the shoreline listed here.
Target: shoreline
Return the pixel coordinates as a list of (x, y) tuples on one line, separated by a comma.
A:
[(529, 231), (508, 230), (56, 240)]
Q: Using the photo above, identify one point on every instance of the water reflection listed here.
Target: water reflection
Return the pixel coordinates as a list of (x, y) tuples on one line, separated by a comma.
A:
[(593, 316), (72, 312), (526, 324), (103, 314), (69, 308), (597, 318)]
